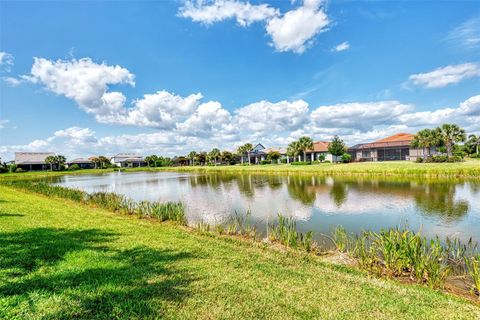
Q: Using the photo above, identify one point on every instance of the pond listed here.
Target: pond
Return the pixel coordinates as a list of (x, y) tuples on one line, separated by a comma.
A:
[(319, 203)]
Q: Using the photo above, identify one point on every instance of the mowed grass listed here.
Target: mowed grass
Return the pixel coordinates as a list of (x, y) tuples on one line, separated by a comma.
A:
[(467, 169), (62, 260)]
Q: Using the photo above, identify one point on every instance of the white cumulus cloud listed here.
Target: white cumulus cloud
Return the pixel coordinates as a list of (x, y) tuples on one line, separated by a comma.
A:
[(293, 30), (445, 76), (243, 12), (6, 61), (83, 81)]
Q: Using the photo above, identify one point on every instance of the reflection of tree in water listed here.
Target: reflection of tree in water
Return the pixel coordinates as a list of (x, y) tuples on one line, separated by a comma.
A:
[(302, 188), (439, 200), (339, 193)]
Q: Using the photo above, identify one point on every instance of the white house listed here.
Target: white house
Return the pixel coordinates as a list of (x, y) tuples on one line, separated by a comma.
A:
[(124, 160)]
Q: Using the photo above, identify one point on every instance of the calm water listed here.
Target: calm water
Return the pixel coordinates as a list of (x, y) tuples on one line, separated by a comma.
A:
[(438, 207)]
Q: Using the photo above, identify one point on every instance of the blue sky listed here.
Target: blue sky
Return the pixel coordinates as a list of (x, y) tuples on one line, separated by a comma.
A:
[(220, 73)]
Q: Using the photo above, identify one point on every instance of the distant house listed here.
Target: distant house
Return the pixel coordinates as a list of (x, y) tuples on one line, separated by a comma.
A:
[(319, 148), (83, 163), (128, 160), (396, 147), (257, 154), (33, 161)]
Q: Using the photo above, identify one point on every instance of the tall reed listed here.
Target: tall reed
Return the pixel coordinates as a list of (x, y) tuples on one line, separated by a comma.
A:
[(397, 252), (285, 232)]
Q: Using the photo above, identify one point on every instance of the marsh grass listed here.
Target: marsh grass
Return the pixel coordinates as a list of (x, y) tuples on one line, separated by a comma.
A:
[(285, 232), (473, 266), (163, 211), (399, 252)]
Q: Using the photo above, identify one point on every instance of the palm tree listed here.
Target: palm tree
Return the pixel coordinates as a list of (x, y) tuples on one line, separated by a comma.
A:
[(214, 154), (426, 139), (50, 160), (293, 149), (451, 134), (96, 161), (305, 143), (104, 161), (241, 152), (192, 156), (248, 147), (473, 140)]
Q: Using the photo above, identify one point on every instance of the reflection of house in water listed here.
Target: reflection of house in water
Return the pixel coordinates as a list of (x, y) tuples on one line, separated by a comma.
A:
[(439, 200)]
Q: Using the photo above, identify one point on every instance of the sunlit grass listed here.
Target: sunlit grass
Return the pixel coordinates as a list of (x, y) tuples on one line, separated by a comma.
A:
[(63, 260)]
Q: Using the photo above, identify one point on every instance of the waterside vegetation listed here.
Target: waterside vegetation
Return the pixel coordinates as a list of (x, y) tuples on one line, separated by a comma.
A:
[(64, 260), (398, 253)]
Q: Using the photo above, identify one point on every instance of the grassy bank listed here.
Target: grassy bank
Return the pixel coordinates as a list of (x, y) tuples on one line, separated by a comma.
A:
[(60, 259), (467, 169)]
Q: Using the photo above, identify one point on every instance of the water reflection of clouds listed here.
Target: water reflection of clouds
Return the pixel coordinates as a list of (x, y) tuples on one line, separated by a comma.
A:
[(358, 203), (442, 207)]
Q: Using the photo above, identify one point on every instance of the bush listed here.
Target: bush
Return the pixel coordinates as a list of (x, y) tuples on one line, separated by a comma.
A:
[(346, 158), (419, 160), (283, 160), (321, 158), (475, 156), (74, 167), (19, 170), (300, 163), (327, 161), (264, 162)]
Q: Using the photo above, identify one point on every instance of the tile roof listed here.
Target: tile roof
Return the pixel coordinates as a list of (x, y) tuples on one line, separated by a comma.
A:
[(398, 137), (320, 146), (397, 140)]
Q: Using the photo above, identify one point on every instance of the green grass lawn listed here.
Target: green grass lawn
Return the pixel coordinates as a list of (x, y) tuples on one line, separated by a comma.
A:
[(62, 260)]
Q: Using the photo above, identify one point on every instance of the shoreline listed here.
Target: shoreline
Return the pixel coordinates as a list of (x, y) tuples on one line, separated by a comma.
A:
[(469, 170)]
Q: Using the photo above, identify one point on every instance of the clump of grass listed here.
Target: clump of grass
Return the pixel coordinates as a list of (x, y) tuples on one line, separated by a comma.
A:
[(285, 232), (473, 267), (397, 252), (239, 224)]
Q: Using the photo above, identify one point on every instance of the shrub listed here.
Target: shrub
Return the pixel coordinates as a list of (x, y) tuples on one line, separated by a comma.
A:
[(475, 156), (19, 170), (473, 268), (419, 160), (3, 169), (321, 158), (264, 162), (346, 157), (283, 160), (74, 167), (300, 163), (327, 161)]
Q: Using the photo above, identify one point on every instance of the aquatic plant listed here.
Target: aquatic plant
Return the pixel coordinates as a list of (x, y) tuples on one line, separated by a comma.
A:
[(285, 232), (396, 252), (473, 267)]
